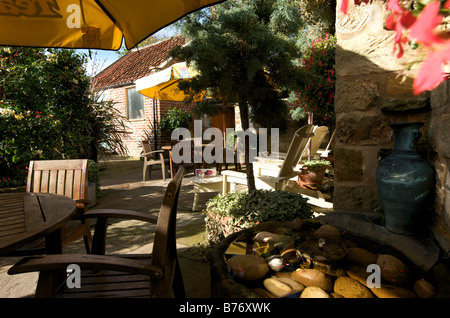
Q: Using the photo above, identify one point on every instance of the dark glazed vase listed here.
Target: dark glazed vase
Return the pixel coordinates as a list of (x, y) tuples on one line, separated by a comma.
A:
[(405, 182)]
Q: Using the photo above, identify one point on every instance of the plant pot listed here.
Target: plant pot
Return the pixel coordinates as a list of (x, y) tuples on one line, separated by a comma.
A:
[(311, 177), (405, 182)]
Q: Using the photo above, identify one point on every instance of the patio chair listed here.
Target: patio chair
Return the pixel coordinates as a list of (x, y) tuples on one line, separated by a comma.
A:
[(274, 174), (149, 275), (68, 178), (149, 160)]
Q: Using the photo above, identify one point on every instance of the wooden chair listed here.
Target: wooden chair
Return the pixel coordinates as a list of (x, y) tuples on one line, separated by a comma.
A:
[(68, 178), (149, 160), (275, 174), (152, 275)]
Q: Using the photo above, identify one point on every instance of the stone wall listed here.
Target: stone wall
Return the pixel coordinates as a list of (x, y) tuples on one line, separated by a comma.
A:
[(369, 95), (439, 143)]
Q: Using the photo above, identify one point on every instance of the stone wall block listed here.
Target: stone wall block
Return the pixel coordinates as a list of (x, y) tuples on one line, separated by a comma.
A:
[(359, 95), (357, 130), (357, 198), (348, 164)]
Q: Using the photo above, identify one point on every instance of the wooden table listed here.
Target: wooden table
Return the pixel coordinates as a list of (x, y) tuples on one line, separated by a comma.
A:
[(206, 184), (27, 217)]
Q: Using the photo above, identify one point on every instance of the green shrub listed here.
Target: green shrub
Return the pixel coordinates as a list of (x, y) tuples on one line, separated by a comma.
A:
[(245, 209)]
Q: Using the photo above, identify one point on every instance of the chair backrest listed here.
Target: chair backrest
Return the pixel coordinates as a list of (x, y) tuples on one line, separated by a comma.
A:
[(64, 177), (146, 147), (164, 253), (316, 141), (295, 150)]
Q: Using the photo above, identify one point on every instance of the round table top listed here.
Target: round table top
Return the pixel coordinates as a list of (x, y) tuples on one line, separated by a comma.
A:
[(26, 217)]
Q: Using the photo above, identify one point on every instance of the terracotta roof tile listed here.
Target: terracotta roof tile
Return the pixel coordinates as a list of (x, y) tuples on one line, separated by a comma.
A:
[(137, 63)]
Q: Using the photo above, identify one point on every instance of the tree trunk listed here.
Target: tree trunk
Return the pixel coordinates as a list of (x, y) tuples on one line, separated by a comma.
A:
[(243, 109)]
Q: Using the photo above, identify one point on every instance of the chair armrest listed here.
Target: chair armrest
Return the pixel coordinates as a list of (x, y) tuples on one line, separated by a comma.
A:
[(54, 262), (121, 214), (83, 201), (154, 151)]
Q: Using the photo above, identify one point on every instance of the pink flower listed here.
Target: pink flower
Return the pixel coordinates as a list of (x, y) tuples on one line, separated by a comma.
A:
[(431, 73), (344, 6), (399, 20)]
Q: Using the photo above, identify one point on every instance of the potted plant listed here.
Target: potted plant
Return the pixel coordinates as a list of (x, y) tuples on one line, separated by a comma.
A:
[(175, 118), (312, 173)]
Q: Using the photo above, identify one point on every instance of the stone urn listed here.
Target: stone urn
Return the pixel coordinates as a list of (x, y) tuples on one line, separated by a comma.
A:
[(405, 181)]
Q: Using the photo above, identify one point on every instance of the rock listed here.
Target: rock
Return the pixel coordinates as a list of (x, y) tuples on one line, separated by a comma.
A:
[(393, 270), (282, 287), (312, 277), (392, 291), (296, 286), (314, 292), (248, 267), (277, 287), (275, 262), (361, 256), (297, 224), (359, 274), (327, 230), (268, 237), (350, 288), (423, 288)]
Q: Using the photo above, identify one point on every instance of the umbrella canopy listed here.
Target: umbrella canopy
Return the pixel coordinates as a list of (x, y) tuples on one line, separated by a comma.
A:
[(90, 24), (163, 85)]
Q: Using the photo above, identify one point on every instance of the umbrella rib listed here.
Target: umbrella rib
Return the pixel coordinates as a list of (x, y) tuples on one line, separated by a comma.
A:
[(106, 11)]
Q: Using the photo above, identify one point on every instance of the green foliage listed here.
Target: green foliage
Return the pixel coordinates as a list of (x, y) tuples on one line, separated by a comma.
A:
[(245, 209), (244, 51), (175, 118), (320, 18), (316, 164), (46, 109), (317, 93)]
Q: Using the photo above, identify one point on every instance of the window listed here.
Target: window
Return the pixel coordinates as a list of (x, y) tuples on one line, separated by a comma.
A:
[(135, 103)]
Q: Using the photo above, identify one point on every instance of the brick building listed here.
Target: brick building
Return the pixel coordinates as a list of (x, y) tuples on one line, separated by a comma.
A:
[(142, 113)]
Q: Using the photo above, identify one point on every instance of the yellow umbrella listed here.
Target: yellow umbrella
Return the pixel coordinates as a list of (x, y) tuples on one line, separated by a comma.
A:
[(163, 85), (91, 24)]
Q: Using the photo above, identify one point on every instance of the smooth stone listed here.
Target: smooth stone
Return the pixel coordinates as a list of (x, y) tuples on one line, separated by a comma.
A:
[(361, 256), (423, 288), (275, 262), (350, 288), (312, 277), (297, 224), (327, 230), (277, 287), (268, 237), (392, 291), (393, 270), (296, 286), (314, 292), (248, 267)]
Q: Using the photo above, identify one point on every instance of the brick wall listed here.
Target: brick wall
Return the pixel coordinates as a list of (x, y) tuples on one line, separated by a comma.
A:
[(138, 130)]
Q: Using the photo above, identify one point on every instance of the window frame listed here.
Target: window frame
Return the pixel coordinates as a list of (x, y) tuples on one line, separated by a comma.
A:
[(127, 102)]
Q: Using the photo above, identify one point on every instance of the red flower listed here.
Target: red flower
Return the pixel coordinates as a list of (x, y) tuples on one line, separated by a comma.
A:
[(344, 6), (399, 20), (431, 73)]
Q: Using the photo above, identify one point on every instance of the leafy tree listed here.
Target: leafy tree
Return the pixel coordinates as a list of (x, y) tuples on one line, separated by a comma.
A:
[(46, 108), (244, 52)]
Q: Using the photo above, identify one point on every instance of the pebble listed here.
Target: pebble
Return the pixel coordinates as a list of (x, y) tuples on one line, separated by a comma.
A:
[(282, 287), (275, 262), (392, 291), (423, 288), (314, 292), (268, 237), (350, 288), (361, 256), (248, 267), (393, 270), (327, 230), (312, 277)]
